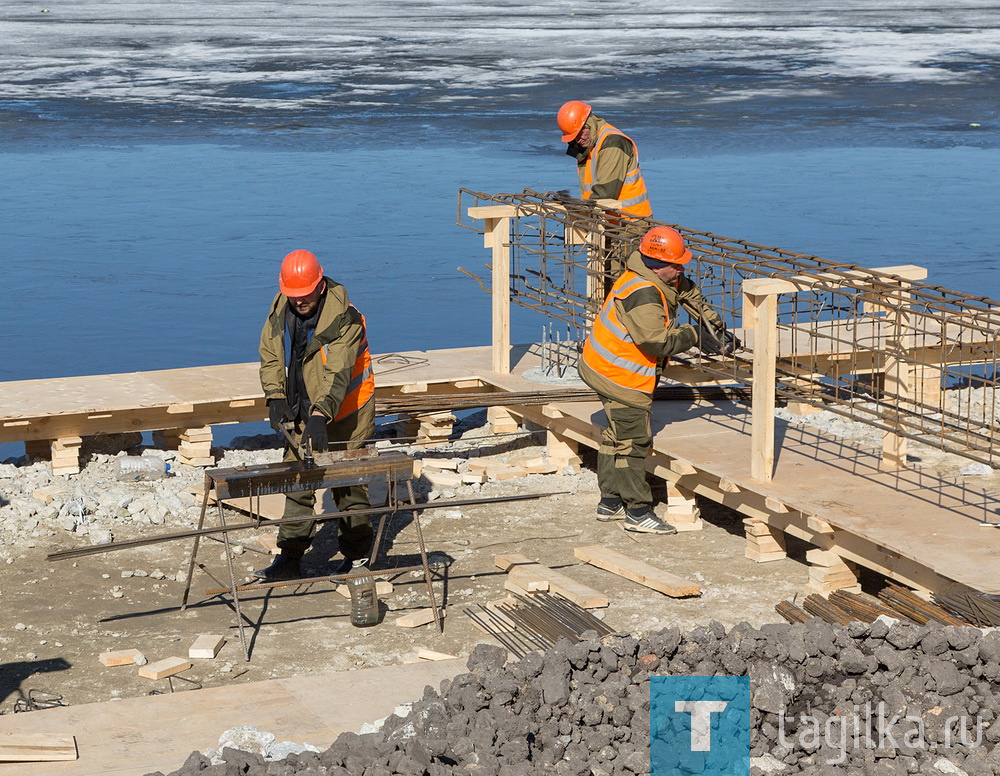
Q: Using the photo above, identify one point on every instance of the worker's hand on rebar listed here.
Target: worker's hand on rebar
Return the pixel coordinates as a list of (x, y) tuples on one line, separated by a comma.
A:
[(709, 342), (315, 432), (730, 343), (278, 412)]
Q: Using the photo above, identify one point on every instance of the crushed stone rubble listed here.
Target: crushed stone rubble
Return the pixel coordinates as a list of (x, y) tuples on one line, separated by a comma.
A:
[(583, 708)]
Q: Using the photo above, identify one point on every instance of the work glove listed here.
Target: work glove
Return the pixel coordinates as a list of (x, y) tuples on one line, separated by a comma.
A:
[(315, 432), (278, 412), (709, 342), (730, 343)]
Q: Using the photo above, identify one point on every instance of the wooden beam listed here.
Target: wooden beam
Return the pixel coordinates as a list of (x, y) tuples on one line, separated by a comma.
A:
[(120, 657), (636, 570), (418, 618), (523, 571), (161, 669), (36, 748), (492, 211), (206, 647)]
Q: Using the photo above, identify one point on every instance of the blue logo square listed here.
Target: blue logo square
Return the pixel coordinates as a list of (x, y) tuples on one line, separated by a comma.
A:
[(699, 725)]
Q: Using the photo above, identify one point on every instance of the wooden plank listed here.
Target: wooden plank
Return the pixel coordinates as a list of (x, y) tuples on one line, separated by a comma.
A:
[(120, 657), (430, 654), (206, 647), (636, 570), (524, 571), (36, 747), (416, 619), (761, 313), (500, 293), (161, 669)]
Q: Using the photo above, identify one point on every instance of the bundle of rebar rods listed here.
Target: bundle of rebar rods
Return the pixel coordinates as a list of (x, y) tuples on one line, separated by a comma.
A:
[(791, 612), (411, 404), (535, 621), (820, 607), (978, 608), (862, 607), (914, 607)]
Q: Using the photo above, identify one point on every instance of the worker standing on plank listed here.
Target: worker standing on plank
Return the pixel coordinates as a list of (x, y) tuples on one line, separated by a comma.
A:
[(316, 372), (607, 160), (622, 358)]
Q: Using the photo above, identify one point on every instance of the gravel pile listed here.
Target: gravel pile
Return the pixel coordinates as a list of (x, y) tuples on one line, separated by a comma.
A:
[(584, 708)]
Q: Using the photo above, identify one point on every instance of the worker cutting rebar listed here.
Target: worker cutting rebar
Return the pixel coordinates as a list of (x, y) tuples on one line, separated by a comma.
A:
[(315, 369), (634, 335)]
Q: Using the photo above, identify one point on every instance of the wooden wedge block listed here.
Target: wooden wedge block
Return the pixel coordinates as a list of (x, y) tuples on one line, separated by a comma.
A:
[(637, 570), (269, 542), (47, 493), (522, 571), (120, 657), (161, 669), (36, 747), (206, 647), (430, 654), (416, 619), (451, 464)]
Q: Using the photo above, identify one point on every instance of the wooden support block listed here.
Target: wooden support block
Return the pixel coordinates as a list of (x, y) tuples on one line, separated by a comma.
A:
[(449, 464), (120, 657), (473, 478), (430, 654), (416, 619), (413, 388), (776, 506), (167, 438), (637, 571), (764, 543), (818, 525), (161, 669), (801, 408), (67, 443), (48, 493), (562, 451), (442, 479), (197, 434), (728, 487), (765, 557), (501, 421), (523, 570), (681, 467), (181, 408), (480, 466), (823, 558), (206, 647), (36, 747), (206, 461), (503, 472)]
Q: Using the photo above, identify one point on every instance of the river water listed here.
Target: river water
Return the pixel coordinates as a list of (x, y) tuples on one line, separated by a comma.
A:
[(159, 158)]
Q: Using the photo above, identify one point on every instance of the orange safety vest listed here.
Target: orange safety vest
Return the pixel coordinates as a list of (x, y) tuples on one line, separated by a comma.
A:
[(610, 350), (362, 386), (635, 201)]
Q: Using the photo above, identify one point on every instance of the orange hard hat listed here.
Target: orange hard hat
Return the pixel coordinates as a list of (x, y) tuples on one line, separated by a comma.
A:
[(572, 116), (300, 274), (664, 244)]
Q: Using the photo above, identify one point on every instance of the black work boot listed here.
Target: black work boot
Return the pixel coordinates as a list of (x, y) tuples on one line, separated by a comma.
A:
[(284, 567)]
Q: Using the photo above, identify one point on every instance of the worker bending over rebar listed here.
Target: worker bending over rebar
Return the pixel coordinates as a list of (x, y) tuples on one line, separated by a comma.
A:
[(631, 340), (316, 372)]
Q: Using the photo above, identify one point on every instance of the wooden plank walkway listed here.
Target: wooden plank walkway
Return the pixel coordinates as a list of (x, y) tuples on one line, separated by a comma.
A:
[(129, 737), (909, 525)]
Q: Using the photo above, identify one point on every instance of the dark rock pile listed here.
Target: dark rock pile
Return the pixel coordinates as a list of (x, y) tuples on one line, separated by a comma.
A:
[(584, 708)]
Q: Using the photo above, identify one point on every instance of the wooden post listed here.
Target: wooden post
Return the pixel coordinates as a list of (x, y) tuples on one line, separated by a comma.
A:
[(898, 377), (499, 235), (760, 312)]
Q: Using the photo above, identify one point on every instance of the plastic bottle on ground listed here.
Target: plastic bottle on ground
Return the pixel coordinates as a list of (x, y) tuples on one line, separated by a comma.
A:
[(364, 599), (131, 468)]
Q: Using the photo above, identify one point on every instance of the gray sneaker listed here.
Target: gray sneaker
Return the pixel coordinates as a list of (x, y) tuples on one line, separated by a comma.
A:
[(644, 520), (609, 509)]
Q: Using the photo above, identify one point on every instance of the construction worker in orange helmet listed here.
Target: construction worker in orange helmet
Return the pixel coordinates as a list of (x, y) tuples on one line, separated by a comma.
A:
[(607, 160), (632, 338), (316, 372)]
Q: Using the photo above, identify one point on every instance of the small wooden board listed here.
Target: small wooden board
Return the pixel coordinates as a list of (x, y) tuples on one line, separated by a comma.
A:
[(206, 647), (161, 669), (120, 657), (524, 572), (36, 747), (430, 654), (416, 619), (637, 570)]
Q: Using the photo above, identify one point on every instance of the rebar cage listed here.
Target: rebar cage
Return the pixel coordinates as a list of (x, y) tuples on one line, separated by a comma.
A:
[(877, 346)]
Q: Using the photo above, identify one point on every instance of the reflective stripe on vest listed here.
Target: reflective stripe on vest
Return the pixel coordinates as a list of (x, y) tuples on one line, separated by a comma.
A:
[(610, 350), (633, 197), (361, 388)]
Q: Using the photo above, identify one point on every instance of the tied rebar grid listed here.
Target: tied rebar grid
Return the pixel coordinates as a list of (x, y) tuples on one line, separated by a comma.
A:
[(873, 347)]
